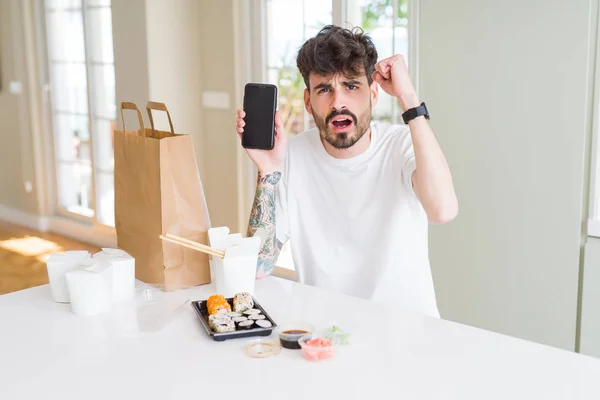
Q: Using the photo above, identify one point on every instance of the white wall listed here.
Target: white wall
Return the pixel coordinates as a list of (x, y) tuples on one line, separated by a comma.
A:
[(173, 36), (131, 54), (218, 64), (157, 57), (506, 83), (16, 135)]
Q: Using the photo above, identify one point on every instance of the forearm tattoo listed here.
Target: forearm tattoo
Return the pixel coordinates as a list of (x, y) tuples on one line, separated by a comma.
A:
[(263, 216)]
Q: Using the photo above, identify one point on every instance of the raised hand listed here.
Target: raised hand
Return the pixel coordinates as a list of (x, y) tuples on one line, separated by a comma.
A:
[(267, 161)]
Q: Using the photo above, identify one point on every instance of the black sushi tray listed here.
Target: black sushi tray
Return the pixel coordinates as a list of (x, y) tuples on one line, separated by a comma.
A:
[(201, 310)]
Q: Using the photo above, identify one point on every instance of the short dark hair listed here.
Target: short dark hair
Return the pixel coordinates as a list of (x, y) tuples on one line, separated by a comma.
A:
[(337, 50)]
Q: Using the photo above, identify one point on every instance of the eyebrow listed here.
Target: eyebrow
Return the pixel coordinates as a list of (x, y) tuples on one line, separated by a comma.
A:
[(325, 85), (351, 82)]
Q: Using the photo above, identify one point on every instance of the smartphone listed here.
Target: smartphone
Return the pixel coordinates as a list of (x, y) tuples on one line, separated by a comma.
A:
[(260, 103)]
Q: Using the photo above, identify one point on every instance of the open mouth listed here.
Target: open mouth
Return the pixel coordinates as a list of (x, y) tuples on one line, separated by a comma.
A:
[(341, 123)]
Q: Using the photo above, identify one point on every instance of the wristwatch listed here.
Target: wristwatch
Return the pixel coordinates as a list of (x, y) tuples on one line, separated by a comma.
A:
[(415, 112)]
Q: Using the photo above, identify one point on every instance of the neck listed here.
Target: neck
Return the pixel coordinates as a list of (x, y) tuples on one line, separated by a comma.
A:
[(355, 150)]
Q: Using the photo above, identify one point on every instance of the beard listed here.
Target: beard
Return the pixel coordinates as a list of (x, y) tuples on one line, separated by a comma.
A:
[(343, 140)]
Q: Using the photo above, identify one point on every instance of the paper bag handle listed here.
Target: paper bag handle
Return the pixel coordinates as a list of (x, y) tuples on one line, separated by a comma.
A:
[(153, 105), (126, 105)]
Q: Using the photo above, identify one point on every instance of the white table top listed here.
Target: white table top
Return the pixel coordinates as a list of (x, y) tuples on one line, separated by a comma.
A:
[(46, 351)]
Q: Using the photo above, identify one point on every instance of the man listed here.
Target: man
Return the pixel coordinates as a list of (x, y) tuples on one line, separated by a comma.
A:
[(354, 196)]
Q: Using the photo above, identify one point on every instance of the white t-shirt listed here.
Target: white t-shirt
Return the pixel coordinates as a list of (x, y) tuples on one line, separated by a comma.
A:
[(356, 225)]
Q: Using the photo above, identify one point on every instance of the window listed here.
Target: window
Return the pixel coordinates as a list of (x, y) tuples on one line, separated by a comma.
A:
[(386, 21), (285, 35), (289, 23), (82, 82)]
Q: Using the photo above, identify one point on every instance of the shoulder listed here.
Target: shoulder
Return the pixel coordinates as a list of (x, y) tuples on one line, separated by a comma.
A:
[(393, 137), (300, 148), (303, 142), (303, 138), (387, 131)]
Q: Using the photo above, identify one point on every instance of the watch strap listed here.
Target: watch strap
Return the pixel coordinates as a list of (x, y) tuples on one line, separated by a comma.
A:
[(415, 112)]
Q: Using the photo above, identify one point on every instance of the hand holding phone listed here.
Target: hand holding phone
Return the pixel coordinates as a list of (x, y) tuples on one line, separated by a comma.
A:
[(265, 142)]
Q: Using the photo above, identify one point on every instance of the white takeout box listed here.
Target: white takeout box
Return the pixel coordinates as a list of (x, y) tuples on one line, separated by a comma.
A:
[(90, 287), (122, 281), (237, 271), (58, 264)]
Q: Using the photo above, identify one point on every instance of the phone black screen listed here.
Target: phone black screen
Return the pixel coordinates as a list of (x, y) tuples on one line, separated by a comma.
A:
[(260, 103)]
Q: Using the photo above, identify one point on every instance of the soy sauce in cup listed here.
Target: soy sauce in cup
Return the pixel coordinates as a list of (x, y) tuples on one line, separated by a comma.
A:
[(290, 334)]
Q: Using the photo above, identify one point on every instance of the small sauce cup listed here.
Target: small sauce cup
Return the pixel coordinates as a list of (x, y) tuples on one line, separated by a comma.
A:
[(289, 334)]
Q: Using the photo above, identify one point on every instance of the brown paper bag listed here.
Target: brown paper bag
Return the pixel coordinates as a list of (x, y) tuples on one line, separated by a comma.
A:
[(158, 191)]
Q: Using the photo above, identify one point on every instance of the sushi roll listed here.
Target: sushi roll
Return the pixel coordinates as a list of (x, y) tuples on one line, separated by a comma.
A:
[(256, 316), (252, 311), (227, 326), (222, 313), (221, 323), (216, 319), (234, 314), (263, 323), (246, 324), (242, 301), (239, 319), (217, 302)]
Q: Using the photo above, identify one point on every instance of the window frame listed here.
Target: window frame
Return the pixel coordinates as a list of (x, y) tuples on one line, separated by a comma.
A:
[(49, 113)]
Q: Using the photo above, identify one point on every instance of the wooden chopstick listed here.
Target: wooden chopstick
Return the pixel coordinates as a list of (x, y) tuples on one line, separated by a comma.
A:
[(192, 245)]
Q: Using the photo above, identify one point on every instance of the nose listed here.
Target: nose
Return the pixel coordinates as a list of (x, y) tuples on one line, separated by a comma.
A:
[(338, 102)]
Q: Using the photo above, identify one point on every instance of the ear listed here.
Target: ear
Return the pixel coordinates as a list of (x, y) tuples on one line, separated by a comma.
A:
[(307, 101), (374, 89)]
